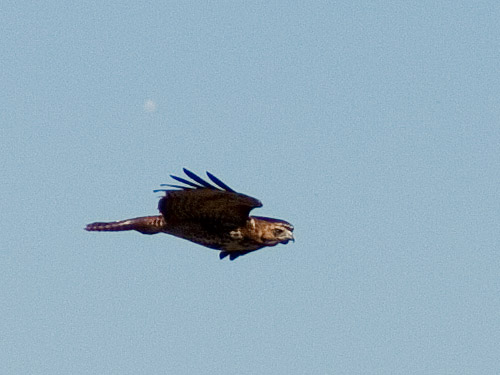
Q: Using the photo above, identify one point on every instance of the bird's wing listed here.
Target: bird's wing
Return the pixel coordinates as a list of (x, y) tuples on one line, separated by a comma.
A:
[(201, 201)]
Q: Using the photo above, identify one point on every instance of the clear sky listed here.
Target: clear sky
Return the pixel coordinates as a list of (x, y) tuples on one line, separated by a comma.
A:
[(373, 127)]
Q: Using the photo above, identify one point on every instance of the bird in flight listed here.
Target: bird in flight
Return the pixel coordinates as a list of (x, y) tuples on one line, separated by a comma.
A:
[(209, 214)]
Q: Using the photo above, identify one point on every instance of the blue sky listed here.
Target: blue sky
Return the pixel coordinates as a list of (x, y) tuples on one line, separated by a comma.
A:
[(373, 127)]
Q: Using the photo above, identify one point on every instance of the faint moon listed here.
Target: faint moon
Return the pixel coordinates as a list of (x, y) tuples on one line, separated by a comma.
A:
[(149, 106)]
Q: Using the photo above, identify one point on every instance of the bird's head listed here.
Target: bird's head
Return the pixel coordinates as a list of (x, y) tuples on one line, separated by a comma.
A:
[(274, 231)]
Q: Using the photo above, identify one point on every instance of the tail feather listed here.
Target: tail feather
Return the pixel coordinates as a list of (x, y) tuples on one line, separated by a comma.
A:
[(146, 225)]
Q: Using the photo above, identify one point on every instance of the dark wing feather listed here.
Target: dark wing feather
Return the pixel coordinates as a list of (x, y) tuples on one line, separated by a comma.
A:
[(198, 179), (174, 186), (219, 182), (184, 181), (199, 183)]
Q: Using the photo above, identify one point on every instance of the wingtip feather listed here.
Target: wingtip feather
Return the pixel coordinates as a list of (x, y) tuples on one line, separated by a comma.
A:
[(198, 179), (219, 182)]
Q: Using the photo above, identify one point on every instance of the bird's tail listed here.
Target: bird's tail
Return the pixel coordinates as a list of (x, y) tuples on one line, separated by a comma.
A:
[(146, 225)]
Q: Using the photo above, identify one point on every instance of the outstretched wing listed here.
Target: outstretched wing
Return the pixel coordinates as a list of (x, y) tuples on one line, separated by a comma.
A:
[(201, 201)]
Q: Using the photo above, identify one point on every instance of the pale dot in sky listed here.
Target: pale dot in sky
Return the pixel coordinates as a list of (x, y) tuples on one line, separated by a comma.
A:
[(149, 105)]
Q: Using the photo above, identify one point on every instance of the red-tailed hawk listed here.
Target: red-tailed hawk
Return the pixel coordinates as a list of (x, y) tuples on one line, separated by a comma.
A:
[(214, 216)]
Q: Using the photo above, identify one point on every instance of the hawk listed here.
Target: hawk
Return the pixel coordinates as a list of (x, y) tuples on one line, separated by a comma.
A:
[(212, 215)]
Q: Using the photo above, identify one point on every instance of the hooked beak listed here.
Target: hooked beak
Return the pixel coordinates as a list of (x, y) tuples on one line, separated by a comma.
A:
[(291, 238)]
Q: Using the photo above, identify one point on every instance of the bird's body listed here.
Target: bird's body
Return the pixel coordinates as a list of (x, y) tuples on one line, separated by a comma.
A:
[(213, 216)]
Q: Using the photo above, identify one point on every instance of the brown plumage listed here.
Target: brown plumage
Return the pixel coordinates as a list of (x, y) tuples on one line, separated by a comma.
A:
[(214, 216)]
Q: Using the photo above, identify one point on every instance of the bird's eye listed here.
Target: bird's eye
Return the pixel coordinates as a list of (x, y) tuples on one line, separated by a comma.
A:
[(278, 231)]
